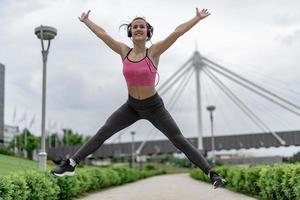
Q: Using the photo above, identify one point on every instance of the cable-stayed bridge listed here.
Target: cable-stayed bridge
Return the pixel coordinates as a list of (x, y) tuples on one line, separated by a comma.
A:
[(200, 65)]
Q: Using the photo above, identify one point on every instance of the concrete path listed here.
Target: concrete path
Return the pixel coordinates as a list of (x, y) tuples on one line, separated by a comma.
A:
[(166, 187)]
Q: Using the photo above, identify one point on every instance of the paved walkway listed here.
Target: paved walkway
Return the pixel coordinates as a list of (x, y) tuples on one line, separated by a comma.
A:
[(166, 187)]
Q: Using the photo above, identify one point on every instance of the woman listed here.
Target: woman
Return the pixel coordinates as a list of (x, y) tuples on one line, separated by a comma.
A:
[(139, 69)]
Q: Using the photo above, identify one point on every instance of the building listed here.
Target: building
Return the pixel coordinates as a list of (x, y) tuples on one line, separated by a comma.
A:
[(2, 86), (10, 132)]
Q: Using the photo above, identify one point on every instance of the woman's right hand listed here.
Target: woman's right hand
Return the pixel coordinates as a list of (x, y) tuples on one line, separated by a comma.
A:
[(84, 16)]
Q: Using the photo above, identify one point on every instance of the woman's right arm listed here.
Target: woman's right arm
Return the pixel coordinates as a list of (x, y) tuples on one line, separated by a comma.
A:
[(116, 46)]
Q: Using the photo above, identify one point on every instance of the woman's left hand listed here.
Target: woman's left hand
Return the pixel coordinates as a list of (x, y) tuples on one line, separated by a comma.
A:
[(202, 14)]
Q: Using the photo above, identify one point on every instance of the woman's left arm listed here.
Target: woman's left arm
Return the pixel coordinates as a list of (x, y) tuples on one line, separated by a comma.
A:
[(158, 48)]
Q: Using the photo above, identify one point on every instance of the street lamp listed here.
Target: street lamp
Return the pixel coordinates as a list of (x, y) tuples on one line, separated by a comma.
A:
[(132, 150), (44, 33), (211, 109)]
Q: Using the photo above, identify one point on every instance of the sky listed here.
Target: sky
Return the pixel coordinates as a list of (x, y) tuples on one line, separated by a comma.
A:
[(259, 40)]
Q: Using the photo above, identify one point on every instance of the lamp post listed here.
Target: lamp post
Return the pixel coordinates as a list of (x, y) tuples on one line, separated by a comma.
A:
[(132, 150), (211, 109), (44, 33)]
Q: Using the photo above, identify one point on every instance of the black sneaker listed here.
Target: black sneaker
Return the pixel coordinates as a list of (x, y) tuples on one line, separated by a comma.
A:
[(216, 179), (64, 169)]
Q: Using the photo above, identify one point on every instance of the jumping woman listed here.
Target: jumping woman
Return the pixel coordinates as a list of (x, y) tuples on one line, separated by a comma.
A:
[(140, 65)]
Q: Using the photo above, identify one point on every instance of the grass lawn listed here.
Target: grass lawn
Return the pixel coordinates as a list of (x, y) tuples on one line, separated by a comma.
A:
[(10, 164)]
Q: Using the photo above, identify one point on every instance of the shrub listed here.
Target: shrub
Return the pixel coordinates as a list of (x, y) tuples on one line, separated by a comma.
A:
[(43, 186), (252, 176), (19, 187), (5, 189), (279, 181), (6, 151), (150, 167)]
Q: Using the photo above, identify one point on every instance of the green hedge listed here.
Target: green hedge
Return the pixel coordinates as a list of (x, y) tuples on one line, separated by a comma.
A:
[(279, 181), (6, 151), (37, 185)]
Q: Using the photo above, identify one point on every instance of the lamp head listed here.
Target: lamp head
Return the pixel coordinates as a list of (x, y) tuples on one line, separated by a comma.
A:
[(210, 108), (48, 32)]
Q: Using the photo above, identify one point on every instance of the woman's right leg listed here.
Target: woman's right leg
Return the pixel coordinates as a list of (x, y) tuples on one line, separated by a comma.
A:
[(120, 119)]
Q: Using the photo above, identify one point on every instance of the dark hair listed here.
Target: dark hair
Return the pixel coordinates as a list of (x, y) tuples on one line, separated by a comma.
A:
[(129, 26)]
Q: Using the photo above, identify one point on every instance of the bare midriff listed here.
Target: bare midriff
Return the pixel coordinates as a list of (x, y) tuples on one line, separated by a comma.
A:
[(141, 92)]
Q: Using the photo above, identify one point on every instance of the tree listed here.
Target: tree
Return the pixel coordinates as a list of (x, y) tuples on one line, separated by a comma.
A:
[(33, 143), (295, 158), (26, 141), (71, 139)]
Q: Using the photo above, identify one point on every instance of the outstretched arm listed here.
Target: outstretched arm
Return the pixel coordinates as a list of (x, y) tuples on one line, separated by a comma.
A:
[(116, 46), (161, 46)]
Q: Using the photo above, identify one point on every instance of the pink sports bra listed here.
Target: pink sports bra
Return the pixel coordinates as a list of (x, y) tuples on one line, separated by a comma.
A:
[(139, 73)]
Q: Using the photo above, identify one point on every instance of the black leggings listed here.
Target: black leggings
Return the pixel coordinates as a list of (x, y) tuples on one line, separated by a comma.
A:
[(152, 109)]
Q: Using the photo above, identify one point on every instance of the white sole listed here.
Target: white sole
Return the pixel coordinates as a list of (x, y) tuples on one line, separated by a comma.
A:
[(65, 174), (223, 181)]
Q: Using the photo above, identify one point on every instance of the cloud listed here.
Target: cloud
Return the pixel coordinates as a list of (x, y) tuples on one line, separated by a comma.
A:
[(289, 39), (286, 19), (85, 82)]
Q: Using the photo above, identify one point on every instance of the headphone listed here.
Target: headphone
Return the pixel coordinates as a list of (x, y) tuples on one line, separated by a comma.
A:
[(149, 28)]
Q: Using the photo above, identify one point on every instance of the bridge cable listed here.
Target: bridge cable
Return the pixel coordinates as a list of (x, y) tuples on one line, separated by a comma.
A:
[(216, 98), (175, 74), (241, 105), (256, 91), (251, 83), (284, 85)]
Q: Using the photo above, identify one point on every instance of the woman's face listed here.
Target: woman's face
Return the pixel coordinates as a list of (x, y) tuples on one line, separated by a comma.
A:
[(139, 30)]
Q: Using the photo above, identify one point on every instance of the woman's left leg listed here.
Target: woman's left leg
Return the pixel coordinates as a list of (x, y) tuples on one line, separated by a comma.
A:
[(163, 121)]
